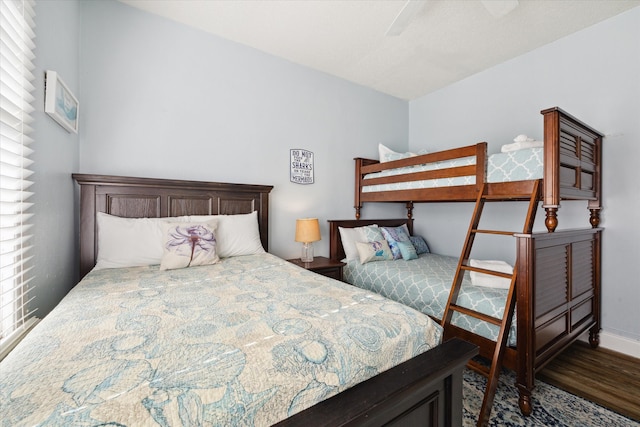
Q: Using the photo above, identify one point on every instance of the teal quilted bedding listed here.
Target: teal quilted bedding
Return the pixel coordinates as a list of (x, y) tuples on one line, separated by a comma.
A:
[(424, 284), (516, 165), (248, 341)]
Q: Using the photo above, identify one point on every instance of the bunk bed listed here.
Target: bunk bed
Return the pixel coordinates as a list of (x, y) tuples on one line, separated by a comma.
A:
[(556, 286), (133, 344), (570, 169)]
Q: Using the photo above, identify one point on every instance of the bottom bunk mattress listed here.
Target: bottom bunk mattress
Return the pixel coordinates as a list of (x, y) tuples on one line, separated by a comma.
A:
[(250, 340), (424, 284)]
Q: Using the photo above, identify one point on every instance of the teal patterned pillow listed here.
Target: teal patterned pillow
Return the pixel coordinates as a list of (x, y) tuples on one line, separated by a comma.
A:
[(374, 251), (393, 235), (372, 233), (407, 250), (420, 244)]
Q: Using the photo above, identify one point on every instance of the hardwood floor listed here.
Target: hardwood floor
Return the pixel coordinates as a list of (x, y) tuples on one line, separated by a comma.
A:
[(605, 377)]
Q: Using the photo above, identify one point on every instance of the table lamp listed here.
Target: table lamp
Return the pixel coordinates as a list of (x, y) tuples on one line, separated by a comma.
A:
[(307, 232)]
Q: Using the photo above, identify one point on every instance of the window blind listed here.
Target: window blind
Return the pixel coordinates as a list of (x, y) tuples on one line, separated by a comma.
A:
[(16, 99)]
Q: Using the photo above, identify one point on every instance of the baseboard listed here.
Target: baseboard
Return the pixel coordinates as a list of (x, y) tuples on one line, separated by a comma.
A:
[(617, 343)]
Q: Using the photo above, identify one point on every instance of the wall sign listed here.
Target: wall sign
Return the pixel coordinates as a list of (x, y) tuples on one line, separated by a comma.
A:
[(301, 166)]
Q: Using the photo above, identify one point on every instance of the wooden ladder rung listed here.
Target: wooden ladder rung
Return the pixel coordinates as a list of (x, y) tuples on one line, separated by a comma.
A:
[(478, 367), (500, 232), (502, 197), (476, 314), (485, 271)]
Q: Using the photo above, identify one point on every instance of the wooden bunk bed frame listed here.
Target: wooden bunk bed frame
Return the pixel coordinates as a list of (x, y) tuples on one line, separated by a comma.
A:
[(558, 273), (426, 390), (572, 171)]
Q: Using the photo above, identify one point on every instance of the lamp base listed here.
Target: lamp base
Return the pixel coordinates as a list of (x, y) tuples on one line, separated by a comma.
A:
[(307, 252)]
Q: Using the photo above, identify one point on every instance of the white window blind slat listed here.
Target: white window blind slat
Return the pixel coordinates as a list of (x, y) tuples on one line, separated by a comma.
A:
[(16, 105)]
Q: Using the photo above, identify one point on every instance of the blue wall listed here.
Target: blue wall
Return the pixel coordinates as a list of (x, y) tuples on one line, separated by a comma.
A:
[(593, 75), (164, 100), (56, 156)]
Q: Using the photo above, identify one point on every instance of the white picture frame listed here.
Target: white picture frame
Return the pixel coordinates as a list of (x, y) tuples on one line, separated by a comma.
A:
[(60, 103)]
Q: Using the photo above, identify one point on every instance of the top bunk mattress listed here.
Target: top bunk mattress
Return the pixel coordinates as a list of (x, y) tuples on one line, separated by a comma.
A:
[(519, 165), (135, 346)]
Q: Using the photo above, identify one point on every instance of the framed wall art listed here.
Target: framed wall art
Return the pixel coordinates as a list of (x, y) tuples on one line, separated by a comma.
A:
[(60, 103), (301, 162)]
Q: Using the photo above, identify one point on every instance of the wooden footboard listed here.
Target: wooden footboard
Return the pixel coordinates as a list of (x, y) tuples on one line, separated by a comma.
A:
[(558, 298), (572, 164), (424, 391)]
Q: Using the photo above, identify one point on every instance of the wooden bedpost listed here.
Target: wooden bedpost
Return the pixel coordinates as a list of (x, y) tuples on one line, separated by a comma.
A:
[(410, 210), (594, 218), (551, 220), (357, 203)]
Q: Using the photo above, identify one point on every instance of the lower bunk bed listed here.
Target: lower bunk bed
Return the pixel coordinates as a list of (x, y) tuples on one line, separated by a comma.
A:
[(183, 318), (557, 287)]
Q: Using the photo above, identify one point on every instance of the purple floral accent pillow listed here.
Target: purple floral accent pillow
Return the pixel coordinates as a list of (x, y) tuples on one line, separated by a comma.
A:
[(393, 235), (189, 244)]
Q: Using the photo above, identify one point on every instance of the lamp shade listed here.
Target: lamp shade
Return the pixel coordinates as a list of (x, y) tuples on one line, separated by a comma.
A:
[(307, 230)]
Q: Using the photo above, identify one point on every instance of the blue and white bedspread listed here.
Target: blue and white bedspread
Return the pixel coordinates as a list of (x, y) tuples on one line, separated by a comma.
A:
[(248, 341), (427, 183), (516, 165), (424, 284), (519, 165)]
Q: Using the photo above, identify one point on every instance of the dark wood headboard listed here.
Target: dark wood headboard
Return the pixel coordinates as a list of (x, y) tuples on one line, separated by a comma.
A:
[(336, 250), (158, 198)]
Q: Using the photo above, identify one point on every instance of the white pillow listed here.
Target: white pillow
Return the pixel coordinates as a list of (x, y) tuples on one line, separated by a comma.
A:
[(349, 237), (521, 142), (189, 244), (487, 280), (129, 242), (237, 234), (387, 154)]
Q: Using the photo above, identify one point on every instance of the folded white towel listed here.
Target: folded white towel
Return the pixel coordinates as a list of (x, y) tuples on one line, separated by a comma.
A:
[(487, 280), (519, 145), (522, 138)]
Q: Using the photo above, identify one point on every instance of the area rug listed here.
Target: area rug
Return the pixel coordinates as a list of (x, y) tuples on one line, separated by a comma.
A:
[(552, 406)]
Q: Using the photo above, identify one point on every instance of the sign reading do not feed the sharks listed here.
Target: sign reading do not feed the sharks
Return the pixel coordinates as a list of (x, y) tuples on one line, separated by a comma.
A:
[(301, 166)]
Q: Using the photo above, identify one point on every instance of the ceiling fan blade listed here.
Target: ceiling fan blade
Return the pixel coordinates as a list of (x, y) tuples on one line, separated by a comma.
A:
[(499, 8), (406, 14)]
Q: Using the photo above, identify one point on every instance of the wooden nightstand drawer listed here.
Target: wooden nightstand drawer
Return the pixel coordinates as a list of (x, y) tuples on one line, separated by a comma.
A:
[(322, 265)]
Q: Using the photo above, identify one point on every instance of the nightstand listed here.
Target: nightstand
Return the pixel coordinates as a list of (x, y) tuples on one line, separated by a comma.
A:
[(321, 265)]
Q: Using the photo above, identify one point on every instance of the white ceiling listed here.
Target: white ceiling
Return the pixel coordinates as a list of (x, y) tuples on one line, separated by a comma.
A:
[(443, 42)]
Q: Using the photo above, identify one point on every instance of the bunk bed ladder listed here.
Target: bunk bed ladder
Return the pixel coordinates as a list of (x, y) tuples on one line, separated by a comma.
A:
[(492, 373)]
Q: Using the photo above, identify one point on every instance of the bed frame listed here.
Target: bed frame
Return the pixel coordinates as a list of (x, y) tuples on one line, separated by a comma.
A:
[(572, 171), (426, 390), (558, 277), (558, 297)]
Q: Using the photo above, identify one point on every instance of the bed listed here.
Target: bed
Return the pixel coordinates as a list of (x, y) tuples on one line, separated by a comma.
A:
[(558, 294), (191, 344), (558, 272), (569, 164)]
